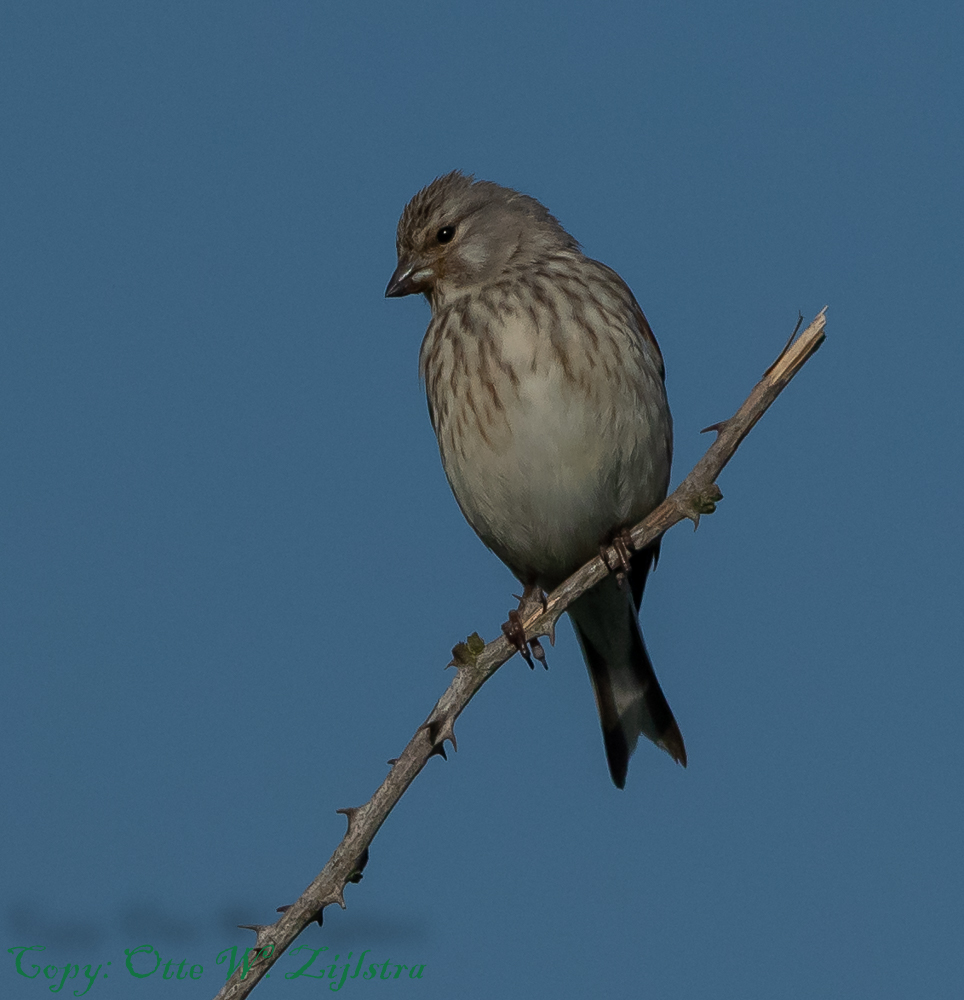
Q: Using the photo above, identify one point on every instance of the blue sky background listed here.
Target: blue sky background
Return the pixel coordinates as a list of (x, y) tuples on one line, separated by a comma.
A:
[(232, 570)]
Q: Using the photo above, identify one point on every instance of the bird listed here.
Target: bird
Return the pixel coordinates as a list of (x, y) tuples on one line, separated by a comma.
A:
[(546, 391)]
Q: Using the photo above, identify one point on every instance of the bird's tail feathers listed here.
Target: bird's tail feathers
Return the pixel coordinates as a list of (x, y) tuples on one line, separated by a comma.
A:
[(628, 695)]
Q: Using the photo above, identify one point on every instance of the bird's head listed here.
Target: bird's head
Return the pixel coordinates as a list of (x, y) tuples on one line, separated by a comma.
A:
[(458, 234)]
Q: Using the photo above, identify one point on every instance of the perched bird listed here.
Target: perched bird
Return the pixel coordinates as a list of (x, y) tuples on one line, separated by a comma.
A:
[(545, 389)]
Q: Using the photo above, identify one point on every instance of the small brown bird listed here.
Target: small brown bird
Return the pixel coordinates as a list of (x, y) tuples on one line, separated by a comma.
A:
[(545, 389)]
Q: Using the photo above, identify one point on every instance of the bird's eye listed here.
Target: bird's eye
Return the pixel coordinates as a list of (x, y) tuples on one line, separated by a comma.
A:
[(445, 234)]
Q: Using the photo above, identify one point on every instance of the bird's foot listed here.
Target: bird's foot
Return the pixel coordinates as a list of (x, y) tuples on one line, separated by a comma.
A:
[(618, 556), (533, 599)]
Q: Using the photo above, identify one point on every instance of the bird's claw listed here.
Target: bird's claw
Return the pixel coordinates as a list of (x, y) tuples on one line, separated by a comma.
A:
[(538, 652), (533, 599), (516, 634), (618, 557)]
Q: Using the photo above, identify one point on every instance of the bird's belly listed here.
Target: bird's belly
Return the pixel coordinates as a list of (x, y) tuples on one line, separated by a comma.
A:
[(558, 472)]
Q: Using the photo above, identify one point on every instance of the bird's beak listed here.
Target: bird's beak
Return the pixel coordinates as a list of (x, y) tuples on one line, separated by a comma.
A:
[(408, 279)]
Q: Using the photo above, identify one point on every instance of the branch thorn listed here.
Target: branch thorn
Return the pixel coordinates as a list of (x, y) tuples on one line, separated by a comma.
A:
[(350, 812), (719, 428)]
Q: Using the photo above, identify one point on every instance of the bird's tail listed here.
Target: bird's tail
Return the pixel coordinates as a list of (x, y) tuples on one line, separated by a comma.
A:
[(628, 694)]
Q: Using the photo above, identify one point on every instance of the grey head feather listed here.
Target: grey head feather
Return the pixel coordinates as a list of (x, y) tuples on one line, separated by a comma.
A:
[(458, 233)]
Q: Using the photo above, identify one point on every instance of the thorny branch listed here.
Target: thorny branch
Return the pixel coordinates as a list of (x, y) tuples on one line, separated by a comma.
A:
[(477, 662)]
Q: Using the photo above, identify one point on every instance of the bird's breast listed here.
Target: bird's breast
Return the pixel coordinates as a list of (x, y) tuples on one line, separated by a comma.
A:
[(551, 436)]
